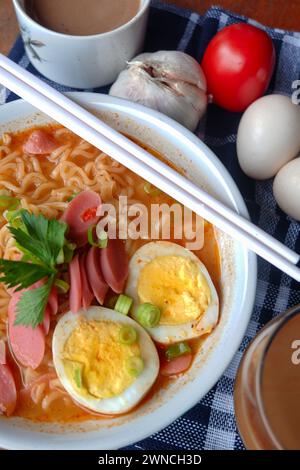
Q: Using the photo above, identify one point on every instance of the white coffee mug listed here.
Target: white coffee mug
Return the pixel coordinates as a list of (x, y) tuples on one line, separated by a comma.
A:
[(82, 61)]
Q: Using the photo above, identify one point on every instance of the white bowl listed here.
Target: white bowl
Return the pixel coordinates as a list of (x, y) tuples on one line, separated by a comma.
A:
[(238, 286)]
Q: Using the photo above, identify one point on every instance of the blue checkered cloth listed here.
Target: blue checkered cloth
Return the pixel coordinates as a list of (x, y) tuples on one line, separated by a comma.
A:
[(211, 423)]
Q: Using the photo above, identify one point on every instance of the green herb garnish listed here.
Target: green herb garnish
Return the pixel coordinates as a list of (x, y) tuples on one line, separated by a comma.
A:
[(20, 274), (70, 198), (128, 335), (8, 202), (135, 365), (177, 349), (43, 238), (62, 286), (102, 238), (32, 304), (41, 241), (78, 377), (148, 315), (123, 304)]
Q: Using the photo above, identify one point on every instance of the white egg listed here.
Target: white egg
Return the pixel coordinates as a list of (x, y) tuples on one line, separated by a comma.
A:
[(132, 395), (268, 136), (163, 333), (286, 188)]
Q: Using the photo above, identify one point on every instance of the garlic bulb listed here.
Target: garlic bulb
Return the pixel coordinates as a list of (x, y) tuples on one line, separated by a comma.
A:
[(171, 82)]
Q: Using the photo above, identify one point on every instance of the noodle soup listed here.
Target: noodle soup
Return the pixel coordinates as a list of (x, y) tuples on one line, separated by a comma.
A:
[(113, 316)]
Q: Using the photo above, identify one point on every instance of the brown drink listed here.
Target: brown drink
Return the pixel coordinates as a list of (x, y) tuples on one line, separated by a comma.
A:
[(82, 17), (267, 389)]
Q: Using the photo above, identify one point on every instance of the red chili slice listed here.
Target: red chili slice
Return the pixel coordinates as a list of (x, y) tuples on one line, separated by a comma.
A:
[(89, 214)]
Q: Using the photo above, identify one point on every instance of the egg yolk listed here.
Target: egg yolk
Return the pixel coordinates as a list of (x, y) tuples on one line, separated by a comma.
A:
[(96, 362), (176, 285)]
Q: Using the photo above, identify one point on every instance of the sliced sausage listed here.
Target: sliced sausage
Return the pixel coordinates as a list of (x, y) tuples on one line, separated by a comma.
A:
[(2, 352), (75, 285), (53, 301), (94, 274), (176, 366), (27, 343), (87, 293), (8, 392), (81, 214), (114, 265), (39, 143)]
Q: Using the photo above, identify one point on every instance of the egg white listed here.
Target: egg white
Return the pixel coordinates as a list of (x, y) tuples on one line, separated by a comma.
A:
[(136, 391), (168, 334)]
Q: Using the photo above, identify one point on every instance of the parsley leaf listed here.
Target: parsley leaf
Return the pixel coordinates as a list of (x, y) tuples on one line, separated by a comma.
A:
[(43, 238), (56, 237), (32, 304), (30, 246), (78, 377), (40, 240), (21, 275)]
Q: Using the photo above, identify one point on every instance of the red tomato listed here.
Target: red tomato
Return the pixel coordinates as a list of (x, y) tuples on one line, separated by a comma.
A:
[(238, 64)]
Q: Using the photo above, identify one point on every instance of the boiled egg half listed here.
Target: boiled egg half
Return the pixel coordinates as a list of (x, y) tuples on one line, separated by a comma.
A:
[(173, 279), (105, 360)]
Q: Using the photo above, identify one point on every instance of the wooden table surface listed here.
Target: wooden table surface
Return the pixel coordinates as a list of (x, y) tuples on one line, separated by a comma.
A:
[(277, 13)]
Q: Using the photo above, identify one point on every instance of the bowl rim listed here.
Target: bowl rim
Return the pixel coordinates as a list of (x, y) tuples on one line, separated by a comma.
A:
[(162, 123), (141, 11)]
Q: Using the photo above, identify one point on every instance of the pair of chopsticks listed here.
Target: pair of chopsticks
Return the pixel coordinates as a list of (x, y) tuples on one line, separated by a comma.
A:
[(95, 131)]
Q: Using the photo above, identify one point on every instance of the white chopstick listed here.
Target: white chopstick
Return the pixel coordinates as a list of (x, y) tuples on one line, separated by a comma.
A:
[(90, 128), (144, 156)]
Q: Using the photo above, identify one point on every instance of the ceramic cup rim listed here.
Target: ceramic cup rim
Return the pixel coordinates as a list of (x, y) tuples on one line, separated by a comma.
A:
[(144, 5)]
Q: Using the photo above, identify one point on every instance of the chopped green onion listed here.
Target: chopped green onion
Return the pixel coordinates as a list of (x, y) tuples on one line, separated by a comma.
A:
[(123, 304), (101, 241), (135, 365), (148, 315), (72, 197), (14, 218), (62, 286), (176, 350), (78, 377), (12, 215), (68, 254), (68, 250), (128, 335), (91, 236), (71, 246), (61, 257), (9, 202), (151, 190)]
